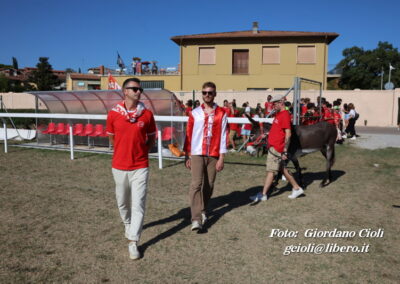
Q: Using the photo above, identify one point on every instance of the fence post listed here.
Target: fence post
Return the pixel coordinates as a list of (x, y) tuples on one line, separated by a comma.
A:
[(71, 141), (160, 165), (5, 136)]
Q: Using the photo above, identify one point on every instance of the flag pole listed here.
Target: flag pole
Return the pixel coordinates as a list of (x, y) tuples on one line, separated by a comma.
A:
[(390, 70)]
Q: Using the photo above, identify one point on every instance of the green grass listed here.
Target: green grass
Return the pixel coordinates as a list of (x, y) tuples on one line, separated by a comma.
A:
[(59, 222)]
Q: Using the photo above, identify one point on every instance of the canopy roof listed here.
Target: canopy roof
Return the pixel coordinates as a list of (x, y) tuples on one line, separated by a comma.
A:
[(160, 102)]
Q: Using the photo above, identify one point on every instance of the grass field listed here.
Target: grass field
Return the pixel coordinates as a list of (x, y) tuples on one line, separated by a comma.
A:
[(59, 222)]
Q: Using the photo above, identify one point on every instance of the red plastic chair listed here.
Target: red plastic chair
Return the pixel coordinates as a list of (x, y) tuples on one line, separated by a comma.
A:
[(60, 128), (66, 130), (88, 130), (78, 129), (168, 133), (51, 129), (98, 131)]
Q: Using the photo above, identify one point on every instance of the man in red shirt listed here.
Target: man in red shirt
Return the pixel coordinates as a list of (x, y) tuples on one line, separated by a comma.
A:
[(278, 141), (269, 106), (131, 129), (205, 147)]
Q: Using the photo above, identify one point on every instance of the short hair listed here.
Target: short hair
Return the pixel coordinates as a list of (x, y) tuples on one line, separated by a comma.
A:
[(209, 85), (136, 80)]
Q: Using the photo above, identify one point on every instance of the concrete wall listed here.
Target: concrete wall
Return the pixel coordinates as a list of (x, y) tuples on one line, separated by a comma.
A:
[(260, 75), (171, 82), (20, 101), (378, 108)]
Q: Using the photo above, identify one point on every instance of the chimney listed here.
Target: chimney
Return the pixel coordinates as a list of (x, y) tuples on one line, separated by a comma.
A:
[(255, 28), (102, 70)]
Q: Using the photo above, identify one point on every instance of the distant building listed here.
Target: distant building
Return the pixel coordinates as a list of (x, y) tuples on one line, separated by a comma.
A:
[(246, 60), (82, 82)]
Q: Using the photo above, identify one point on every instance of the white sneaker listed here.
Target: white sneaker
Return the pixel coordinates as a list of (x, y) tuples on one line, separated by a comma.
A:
[(133, 251), (296, 193), (196, 226), (254, 197), (344, 136), (261, 197), (232, 150), (203, 218), (353, 138)]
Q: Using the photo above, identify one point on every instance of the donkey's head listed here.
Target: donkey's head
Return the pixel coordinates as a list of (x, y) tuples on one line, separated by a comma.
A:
[(258, 129)]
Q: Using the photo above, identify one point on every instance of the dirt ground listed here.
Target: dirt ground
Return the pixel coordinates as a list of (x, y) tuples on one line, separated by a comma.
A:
[(59, 222)]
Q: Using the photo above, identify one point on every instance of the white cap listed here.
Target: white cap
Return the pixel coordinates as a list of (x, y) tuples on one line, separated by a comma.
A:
[(277, 98)]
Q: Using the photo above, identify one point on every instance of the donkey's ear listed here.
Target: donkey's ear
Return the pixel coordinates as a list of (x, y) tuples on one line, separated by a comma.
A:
[(253, 122)]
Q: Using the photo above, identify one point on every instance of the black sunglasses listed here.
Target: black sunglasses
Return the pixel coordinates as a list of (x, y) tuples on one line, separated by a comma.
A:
[(135, 89), (208, 93)]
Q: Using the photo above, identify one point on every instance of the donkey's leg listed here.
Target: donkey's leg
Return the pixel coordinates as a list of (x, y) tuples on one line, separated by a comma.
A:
[(331, 160), (324, 152)]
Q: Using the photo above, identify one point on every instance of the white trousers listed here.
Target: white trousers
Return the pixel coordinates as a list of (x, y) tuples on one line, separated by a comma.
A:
[(130, 191)]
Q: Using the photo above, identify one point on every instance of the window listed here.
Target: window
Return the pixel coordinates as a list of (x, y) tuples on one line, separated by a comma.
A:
[(206, 55), (271, 55), (306, 54), (240, 61)]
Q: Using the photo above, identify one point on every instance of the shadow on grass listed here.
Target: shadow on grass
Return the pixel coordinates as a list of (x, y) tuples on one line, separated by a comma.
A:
[(308, 178), (218, 207)]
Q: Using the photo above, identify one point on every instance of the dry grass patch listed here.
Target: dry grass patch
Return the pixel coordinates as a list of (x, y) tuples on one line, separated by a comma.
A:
[(60, 223)]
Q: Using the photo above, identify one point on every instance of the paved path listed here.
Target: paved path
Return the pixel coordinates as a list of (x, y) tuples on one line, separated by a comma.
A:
[(376, 137)]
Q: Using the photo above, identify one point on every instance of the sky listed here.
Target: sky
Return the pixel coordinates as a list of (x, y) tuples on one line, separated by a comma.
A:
[(89, 33)]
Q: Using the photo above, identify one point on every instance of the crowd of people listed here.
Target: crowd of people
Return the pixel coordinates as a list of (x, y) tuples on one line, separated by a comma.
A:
[(343, 116)]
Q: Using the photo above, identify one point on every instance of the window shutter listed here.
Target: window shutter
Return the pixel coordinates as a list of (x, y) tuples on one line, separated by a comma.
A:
[(271, 55), (206, 55), (306, 54)]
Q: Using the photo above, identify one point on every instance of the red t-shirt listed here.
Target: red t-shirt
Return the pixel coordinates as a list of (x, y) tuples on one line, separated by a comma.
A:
[(130, 149), (234, 126), (328, 116), (268, 107), (276, 137), (188, 110), (303, 109), (247, 126), (227, 111)]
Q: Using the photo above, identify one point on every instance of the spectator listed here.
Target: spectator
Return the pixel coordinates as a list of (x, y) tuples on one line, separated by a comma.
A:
[(189, 107), (268, 106), (196, 103), (246, 128), (353, 116), (233, 127), (226, 108)]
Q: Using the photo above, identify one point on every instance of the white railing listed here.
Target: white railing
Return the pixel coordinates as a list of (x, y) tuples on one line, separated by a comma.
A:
[(157, 118)]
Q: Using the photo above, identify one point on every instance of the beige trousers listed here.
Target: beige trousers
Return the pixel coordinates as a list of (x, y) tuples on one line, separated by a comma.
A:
[(202, 185), (130, 191)]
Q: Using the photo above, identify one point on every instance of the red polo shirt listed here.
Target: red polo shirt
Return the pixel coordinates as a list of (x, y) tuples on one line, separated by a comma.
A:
[(276, 136), (130, 149)]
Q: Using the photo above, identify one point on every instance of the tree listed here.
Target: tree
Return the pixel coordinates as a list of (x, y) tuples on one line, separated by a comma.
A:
[(44, 77), (363, 68), (70, 70), (15, 63), (4, 84)]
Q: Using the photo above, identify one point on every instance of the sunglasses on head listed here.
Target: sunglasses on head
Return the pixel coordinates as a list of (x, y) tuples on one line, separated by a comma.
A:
[(135, 89), (207, 93)]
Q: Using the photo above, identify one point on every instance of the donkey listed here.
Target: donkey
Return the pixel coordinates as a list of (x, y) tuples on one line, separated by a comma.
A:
[(306, 139)]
